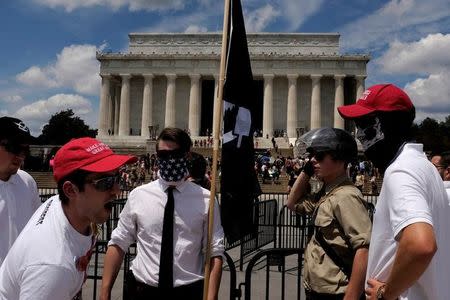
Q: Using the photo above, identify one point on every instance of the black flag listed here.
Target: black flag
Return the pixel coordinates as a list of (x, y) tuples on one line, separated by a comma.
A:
[(239, 183)]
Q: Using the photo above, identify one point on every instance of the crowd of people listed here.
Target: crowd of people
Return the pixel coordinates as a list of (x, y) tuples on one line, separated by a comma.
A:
[(402, 254)]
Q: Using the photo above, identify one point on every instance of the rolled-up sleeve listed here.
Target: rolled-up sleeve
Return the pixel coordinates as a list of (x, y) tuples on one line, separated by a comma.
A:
[(125, 232), (217, 243)]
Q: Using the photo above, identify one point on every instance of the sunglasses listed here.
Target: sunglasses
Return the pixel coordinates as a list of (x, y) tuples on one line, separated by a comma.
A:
[(167, 154), (319, 156), (105, 183), (16, 148)]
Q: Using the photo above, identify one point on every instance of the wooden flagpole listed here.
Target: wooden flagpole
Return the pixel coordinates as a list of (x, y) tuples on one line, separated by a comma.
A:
[(216, 137)]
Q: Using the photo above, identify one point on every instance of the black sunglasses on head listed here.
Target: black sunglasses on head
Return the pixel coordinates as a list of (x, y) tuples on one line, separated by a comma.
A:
[(105, 183), (15, 148), (166, 154)]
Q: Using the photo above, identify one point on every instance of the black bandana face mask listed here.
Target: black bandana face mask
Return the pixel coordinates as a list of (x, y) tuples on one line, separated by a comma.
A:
[(369, 132), (172, 168)]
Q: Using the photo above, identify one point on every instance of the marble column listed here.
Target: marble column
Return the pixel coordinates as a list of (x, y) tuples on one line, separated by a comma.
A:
[(315, 102), (116, 109), (360, 85), (110, 114), (103, 105), (292, 122), (124, 115), (268, 105), (216, 92), (169, 120), (147, 105), (338, 100), (194, 105)]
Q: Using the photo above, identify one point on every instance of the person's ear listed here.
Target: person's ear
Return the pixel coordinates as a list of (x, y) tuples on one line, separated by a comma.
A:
[(69, 189)]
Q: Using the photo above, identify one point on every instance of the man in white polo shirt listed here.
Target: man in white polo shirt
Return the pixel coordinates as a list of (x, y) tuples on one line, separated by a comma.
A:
[(410, 244), (19, 196)]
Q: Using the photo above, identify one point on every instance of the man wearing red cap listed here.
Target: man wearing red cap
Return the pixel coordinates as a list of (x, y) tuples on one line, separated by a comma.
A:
[(48, 260), (19, 197), (409, 247)]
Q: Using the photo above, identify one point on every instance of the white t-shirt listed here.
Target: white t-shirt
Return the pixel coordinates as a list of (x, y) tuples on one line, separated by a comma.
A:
[(19, 199), (412, 192), (447, 189), (41, 263), (141, 220)]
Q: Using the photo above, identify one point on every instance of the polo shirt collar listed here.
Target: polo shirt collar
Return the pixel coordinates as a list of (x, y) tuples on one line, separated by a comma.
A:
[(12, 180)]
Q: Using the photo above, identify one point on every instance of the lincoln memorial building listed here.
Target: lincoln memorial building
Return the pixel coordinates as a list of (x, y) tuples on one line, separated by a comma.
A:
[(171, 79)]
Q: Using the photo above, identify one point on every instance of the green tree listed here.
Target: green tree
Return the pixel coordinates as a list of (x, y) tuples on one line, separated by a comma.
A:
[(64, 126), (434, 135)]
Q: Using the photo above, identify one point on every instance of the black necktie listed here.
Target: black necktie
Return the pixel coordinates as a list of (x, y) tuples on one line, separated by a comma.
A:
[(166, 257)]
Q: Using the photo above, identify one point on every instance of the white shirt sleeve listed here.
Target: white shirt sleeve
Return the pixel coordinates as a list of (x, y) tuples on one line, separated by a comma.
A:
[(125, 232), (217, 244), (409, 203), (47, 282), (36, 201)]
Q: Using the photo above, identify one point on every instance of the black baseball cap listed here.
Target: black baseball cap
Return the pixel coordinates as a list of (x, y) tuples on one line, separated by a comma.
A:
[(13, 129)]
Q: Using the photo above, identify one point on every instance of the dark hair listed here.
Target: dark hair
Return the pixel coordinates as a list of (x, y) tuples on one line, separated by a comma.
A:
[(196, 165), (177, 135), (78, 178), (445, 158)]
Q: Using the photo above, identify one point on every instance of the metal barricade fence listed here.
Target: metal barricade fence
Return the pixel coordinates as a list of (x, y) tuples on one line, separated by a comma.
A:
[(285, 229), (276, 265)]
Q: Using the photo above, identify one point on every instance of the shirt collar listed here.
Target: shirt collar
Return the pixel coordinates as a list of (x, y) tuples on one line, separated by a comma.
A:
[(338, 181), (179, 185), (12, 180)]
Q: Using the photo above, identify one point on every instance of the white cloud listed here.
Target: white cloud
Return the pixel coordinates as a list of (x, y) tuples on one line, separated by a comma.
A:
[(183, 22), (298, 11), (133, 5), (426, 56), (431, 95), (195, 29), (37, 114), (396, 20), (258, 19), (76, 67), (11, 99), (35, 76)]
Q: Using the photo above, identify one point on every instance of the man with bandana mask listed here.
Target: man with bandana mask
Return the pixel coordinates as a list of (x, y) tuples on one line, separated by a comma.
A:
[(169, 209), (408, 254)]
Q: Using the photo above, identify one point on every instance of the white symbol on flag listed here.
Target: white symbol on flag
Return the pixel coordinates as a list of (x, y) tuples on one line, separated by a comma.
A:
[(242, 125)]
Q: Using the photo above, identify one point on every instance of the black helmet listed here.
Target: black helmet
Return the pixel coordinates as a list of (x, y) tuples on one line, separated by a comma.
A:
[(335, 140)]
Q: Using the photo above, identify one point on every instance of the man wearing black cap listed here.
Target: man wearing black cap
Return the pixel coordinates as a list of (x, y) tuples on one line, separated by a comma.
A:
[(19, 196), (409, 247)]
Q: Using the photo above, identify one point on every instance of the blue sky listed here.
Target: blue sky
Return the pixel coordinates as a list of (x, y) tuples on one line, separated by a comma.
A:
[(48, 46)]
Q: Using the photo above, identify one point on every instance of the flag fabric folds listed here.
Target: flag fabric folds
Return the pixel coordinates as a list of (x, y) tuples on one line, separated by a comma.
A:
[(239, 183)]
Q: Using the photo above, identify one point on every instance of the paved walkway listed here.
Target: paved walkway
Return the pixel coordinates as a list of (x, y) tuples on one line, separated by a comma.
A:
[(258, 281)]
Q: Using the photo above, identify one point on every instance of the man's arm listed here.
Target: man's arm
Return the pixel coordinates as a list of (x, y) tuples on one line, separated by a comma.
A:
[(355, 287), (215, 277), (417, 246), (113, 260)]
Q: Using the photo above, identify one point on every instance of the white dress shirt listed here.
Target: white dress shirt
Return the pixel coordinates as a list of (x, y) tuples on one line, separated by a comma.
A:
[(141, 220)]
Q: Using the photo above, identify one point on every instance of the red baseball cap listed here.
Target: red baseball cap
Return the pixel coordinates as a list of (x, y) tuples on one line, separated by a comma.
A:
[(87, 154), (380, 97)]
